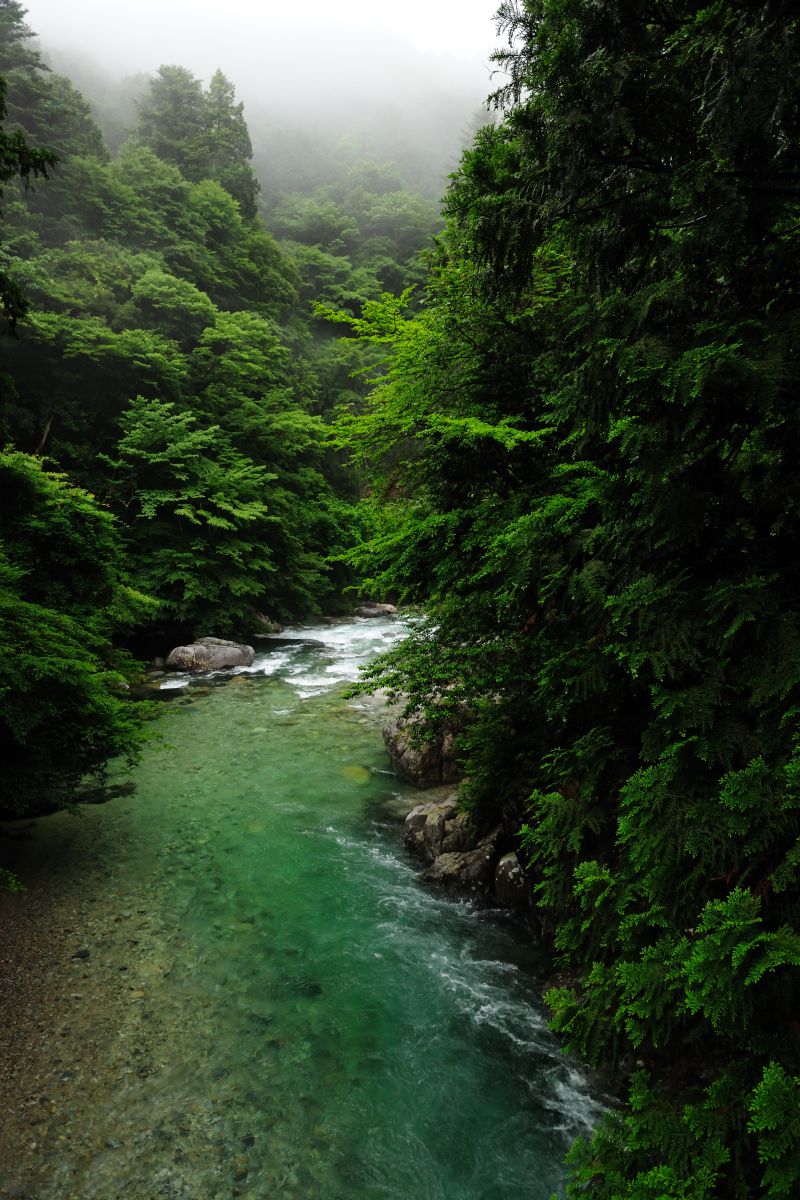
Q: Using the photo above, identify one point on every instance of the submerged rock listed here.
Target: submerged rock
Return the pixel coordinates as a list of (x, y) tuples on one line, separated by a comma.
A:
[(210, 654)]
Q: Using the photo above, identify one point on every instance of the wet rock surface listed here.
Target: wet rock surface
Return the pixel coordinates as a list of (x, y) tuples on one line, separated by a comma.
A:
[(210, 654), (469, 870), (511, 887), (442, 835), (428, 825), (440, 832), (371, 609)]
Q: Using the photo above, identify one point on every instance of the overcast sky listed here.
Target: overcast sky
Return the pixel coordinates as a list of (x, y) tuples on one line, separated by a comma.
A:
[(413, 70), (203, 31)]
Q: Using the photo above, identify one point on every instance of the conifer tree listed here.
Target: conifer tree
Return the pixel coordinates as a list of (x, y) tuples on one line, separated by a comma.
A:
[(172, 121), (229, 146)]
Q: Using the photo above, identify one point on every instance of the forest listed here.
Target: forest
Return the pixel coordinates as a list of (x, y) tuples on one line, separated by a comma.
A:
[(558, 417)]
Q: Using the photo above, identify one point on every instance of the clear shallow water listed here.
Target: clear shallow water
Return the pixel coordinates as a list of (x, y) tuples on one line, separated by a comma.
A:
[(307, 1020)]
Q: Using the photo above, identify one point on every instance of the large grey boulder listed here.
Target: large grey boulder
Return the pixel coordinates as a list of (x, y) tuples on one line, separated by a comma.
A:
[(425, 762), (370, 609), (210, 654)]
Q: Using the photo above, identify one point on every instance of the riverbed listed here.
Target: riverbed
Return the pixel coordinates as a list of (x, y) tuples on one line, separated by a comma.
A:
[(230, 982)]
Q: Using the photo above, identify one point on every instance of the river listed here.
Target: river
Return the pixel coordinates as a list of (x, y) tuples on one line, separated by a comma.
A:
[(257, 996)]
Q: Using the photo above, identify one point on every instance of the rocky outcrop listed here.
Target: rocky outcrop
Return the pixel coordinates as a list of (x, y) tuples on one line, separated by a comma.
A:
[(370, 609), (210, 654), (468, 870), (425, 761), (442, 835), (429, 825)]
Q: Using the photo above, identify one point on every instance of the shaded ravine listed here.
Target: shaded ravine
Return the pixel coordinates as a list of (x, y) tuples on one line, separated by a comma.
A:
[(250, 993)]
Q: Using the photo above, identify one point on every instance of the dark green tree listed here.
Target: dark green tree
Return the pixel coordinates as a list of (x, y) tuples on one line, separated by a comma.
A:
[(18, 160), (172, 121), (228, 142), (199, 527), (202, 133)]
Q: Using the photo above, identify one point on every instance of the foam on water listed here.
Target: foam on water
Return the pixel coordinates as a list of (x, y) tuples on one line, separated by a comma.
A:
[(323, 658)]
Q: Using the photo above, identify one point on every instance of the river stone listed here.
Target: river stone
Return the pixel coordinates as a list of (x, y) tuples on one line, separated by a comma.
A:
[(267, 625), (457, 834), (427, 764), (370, 609), (510, 885), (210, 654)]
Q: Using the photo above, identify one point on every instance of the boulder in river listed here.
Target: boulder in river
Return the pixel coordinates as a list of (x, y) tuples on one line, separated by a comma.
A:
[(444, 837), (267, 625), (210, 654), (370, 609)]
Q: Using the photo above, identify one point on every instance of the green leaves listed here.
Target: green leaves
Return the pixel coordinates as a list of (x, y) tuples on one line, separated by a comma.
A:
[(731, 953), (62, 706), (17, 159), (774, 1107), (199, 524), (202, 133)]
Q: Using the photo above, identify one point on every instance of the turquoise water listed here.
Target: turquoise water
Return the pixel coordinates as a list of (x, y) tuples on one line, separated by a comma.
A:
[(307, 1020)]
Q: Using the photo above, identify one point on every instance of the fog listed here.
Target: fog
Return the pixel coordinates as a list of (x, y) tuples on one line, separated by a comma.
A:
[(242, 30), (412, 75)]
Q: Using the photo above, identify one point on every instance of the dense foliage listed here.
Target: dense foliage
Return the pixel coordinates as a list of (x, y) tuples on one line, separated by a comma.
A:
[(63, 596), (587, 441)]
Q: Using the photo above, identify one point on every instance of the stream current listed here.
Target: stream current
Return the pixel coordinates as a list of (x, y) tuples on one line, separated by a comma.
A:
[(301, 1018)]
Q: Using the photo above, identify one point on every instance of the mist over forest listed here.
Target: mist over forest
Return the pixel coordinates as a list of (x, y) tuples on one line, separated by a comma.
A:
[(306, 90)]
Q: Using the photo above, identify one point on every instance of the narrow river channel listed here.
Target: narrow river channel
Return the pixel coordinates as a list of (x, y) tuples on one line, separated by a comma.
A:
[(259, 998)]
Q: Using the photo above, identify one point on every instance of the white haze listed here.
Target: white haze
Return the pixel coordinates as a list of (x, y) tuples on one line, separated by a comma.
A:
[(409, 75), (306, 58), (200, 31)]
